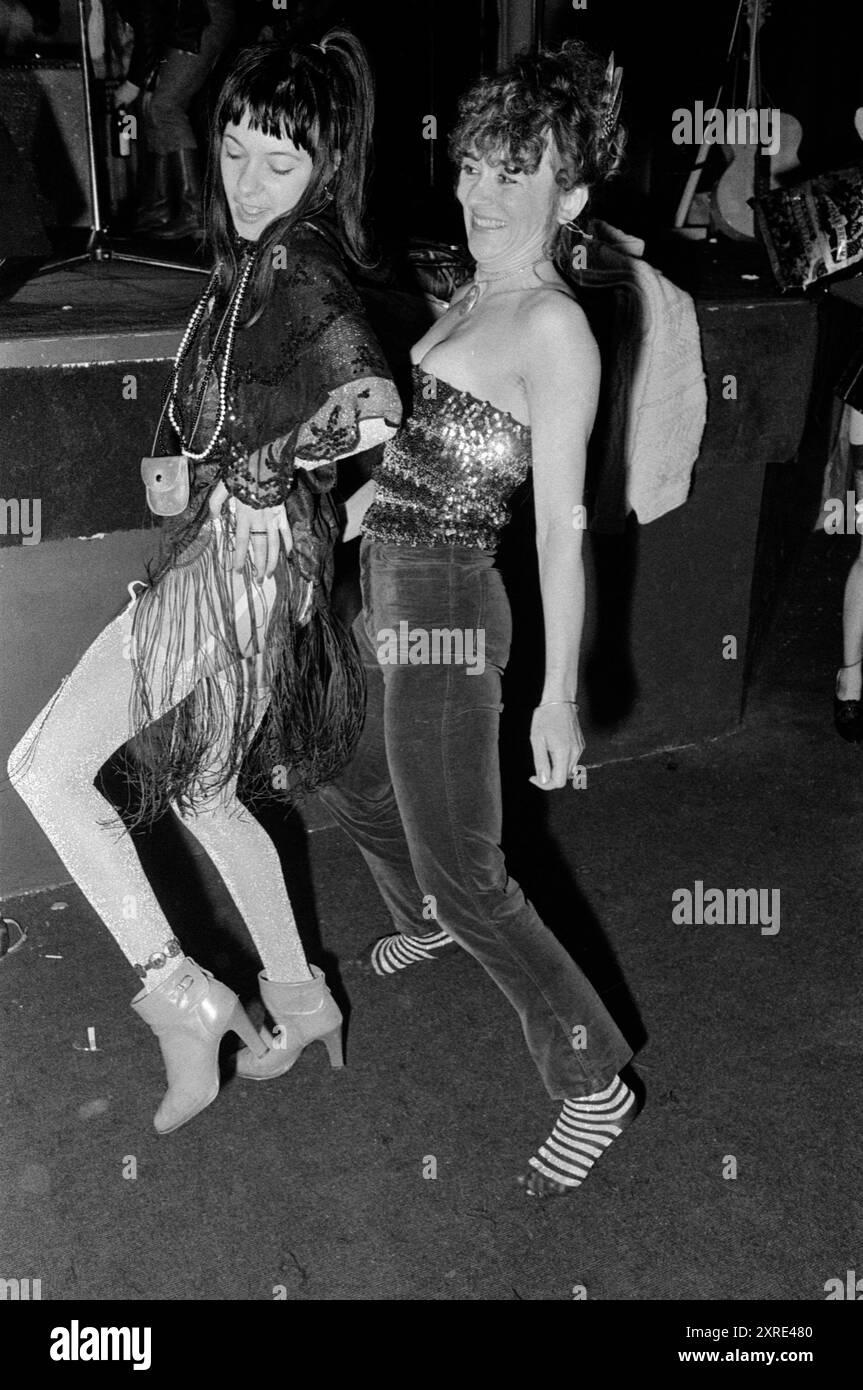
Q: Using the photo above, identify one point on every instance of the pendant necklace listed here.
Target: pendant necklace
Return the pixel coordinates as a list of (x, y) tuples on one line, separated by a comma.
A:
[(471, 299)]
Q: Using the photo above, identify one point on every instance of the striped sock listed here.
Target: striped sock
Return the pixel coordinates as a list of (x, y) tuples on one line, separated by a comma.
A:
[(585, 1128), (397, 952)]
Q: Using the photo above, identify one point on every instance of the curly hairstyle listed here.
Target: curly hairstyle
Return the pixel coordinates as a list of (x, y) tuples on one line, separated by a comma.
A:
[(510, 115)]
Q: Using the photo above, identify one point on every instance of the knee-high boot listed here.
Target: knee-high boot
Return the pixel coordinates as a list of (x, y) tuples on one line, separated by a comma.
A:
[(155, 208), (185, 176)]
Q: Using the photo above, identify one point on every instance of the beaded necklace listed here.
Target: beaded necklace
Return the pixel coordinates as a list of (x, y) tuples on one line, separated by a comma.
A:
[(231, 314)]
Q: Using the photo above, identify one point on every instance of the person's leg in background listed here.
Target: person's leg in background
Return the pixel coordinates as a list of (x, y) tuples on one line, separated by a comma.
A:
[(170, 134), (155, 194), (848, 712)]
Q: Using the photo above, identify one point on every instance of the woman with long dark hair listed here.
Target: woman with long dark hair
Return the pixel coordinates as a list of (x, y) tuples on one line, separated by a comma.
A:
[(230, 664), (505, 384)]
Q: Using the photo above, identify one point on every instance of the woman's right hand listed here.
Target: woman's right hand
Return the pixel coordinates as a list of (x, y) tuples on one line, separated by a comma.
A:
[(266, 527)]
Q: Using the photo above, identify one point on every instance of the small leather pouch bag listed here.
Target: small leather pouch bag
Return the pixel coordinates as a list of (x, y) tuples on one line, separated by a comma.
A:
[(167, 484), (167, 478)]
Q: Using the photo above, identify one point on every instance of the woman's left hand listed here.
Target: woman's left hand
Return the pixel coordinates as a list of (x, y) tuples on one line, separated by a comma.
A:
[(557, 743), (268, 527)]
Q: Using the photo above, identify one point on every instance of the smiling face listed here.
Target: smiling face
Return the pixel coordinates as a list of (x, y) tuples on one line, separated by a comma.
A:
[(510, 214), (264, 176)]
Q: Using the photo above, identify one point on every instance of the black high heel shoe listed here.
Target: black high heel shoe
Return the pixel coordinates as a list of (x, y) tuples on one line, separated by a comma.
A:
[(848, 715), (848, 719)]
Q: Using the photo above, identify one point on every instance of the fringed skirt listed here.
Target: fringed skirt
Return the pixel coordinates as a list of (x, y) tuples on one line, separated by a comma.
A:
[(238, 677)]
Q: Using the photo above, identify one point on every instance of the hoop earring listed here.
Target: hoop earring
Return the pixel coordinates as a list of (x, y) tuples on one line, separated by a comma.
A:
[(323, 204), (574, 229)]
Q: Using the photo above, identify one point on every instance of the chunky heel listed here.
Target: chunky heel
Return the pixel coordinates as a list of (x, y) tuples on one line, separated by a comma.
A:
[(242, 1025), (335, 1047)]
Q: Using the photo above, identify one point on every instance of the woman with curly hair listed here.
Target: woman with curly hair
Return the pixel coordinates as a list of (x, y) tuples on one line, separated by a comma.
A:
[(505, 384), (231, 662)]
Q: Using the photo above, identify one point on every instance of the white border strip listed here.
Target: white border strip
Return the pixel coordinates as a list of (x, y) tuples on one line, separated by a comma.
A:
[(91, 350)]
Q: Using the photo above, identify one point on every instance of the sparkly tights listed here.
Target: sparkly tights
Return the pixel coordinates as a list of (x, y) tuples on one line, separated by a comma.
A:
[(53, 768)]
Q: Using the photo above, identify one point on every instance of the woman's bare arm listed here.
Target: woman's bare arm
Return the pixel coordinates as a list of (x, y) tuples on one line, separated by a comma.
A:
[(561, 378)]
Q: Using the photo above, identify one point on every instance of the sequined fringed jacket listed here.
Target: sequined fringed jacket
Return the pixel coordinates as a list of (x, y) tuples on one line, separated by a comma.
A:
[(308, 385)]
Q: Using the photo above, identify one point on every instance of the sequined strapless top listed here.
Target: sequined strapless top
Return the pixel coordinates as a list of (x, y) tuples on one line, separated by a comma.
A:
[(448, 475)]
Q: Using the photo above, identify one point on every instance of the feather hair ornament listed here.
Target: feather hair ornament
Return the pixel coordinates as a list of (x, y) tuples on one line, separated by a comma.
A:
[(612, 100)]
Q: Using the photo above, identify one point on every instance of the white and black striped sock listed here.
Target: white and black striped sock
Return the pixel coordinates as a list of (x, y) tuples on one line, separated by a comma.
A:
[(585, 1128), (397, 952)]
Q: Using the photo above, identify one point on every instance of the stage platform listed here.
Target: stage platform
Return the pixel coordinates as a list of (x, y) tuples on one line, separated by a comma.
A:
[(84, 358), (112, 311)]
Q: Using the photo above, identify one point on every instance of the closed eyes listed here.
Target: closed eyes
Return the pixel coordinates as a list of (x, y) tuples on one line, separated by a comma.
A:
[(272, 168)]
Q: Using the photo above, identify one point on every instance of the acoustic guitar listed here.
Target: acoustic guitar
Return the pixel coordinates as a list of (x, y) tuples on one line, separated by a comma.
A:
[(750, 173)]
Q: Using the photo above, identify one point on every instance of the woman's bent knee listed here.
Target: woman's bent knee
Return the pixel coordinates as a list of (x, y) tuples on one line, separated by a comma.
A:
[(51, 760), (29, 771)]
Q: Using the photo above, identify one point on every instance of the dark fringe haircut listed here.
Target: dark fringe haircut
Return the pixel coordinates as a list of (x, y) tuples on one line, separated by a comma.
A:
[(324, 103)]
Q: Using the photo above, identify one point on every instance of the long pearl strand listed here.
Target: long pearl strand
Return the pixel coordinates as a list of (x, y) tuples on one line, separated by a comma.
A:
[(191, 329)]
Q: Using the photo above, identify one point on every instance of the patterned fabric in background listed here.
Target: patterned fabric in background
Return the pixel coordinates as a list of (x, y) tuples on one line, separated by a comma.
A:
[(813, 229)]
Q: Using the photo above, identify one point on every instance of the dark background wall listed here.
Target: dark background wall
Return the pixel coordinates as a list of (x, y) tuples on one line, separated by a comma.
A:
[(673, 54)]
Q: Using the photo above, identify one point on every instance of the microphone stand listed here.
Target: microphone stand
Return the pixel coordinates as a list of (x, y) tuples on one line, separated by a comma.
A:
[(99, 248), (537, 24)]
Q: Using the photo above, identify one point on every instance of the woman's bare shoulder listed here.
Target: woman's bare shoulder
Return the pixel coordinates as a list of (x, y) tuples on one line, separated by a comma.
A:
[(555, 343), (555, 310)]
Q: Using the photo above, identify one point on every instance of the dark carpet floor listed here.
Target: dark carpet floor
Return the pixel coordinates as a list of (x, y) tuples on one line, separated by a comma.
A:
[(109, 297), (749, 1049)]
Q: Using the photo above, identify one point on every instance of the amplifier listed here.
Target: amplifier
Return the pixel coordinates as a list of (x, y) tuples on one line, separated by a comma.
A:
[(42, 105)]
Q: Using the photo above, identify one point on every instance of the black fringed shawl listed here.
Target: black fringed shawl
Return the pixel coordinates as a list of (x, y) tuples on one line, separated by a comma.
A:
[(308, 385)]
